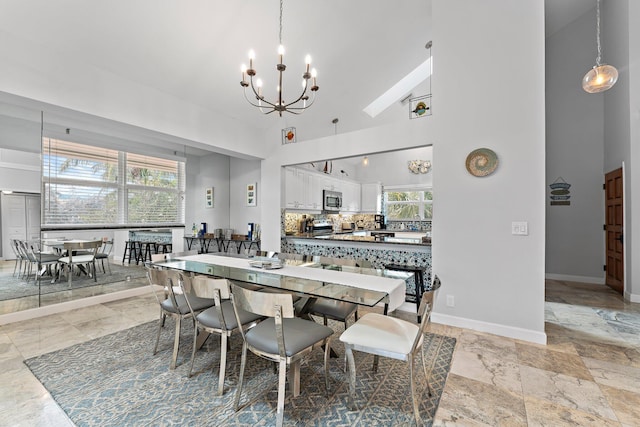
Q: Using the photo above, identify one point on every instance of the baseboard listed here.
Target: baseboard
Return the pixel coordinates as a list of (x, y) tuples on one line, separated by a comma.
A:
[(492, 328), (631, 297), (33, 313), (571, 278)]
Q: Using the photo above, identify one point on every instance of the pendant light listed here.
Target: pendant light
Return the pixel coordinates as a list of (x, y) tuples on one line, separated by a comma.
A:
[(602, 76)]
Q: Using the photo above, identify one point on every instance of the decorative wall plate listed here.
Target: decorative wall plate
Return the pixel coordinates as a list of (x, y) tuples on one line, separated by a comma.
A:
[(482, 162)]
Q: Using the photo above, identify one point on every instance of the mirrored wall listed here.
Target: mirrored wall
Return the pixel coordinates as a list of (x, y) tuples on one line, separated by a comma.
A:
[(34, 258)]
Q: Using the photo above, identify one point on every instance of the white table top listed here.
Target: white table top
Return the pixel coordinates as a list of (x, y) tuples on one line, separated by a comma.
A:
[(395, 288)]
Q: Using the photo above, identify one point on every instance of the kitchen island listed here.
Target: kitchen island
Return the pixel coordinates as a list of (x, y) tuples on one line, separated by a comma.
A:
[(380, 251), (405, 250)]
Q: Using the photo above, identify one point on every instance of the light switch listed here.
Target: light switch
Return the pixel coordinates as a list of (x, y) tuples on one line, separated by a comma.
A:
[(520, 228)]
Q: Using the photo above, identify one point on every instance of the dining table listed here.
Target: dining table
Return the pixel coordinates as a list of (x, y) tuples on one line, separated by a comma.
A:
[(57, 245), (363, 286)]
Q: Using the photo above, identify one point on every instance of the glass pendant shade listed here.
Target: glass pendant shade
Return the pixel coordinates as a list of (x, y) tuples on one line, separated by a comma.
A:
[(600, 78)]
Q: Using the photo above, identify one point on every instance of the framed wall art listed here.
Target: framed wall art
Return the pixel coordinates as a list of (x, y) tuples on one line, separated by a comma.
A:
[(252, 194), (208, 197)]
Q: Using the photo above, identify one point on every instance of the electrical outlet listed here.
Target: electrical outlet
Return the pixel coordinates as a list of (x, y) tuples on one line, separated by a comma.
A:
[(520, 228), (450, 301)]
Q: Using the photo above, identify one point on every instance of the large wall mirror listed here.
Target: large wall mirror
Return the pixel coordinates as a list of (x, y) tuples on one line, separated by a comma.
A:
[(34, 269)]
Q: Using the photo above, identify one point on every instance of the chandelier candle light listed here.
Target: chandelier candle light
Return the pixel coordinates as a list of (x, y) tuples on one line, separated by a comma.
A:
[(602, 76), (267, 107)]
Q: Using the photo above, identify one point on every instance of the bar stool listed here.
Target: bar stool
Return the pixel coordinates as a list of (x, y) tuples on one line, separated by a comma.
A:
[(418, 278), (144, 251), (129, 251), (163, 248)]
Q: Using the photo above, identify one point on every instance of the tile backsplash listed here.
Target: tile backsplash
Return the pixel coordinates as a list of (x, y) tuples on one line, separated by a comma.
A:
[(365, 221)]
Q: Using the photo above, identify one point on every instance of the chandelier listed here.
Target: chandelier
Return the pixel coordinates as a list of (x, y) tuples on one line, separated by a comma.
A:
[(602, 76), (268, 107)]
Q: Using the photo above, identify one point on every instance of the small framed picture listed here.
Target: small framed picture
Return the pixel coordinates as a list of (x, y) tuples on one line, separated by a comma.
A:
[(252, 194), (420, 106), (288, 135), (209, 197)]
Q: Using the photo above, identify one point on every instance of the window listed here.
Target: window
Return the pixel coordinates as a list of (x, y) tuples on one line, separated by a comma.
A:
[(86, 185), (415, 204)]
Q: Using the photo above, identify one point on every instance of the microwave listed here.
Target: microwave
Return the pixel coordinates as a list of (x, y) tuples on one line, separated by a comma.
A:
[(331, 200)]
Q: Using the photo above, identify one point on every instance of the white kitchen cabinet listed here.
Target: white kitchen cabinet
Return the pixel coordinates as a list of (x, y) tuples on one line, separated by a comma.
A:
[(315, 185), (371, 198), (304, 190), (293, 188), (350, 197)]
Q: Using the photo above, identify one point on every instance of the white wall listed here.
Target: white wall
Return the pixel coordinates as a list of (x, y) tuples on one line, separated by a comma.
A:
[(204, 172), (497, 279), (621, 46), (55, 78), (406, 134), (20, 144), (20, 171), (489, 85), (633, 279), (244, 172), (392, 168), (575, 152)]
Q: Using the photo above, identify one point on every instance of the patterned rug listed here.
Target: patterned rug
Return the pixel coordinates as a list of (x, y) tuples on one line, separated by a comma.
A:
[(12, 287), (116, 381)]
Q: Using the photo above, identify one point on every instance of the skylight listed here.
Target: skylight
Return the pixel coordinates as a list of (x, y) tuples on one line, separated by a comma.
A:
[(400, 89)]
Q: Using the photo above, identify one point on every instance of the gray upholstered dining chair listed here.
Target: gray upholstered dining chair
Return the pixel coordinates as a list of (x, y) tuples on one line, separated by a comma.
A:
[(44, 262), (282, 338), (341, 311), (166, 288), (219, 319), (391, 337), (20, 257), (104, 253), (82, 254)]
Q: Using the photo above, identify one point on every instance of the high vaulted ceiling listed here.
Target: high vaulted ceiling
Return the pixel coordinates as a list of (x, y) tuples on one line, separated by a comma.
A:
[(193, 49)]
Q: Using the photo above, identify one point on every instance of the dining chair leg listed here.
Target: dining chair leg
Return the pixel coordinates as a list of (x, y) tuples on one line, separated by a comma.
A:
[(375, 363), (176, 344), (243, 363), (193, 351), (160, 325), (327, 353), (352, 378), (424, 368), (282, 381), (223, 363), (414, 396)]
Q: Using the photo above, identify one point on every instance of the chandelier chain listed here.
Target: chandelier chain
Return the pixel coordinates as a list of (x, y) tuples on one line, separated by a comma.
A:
[(599, 58), (280, 35)]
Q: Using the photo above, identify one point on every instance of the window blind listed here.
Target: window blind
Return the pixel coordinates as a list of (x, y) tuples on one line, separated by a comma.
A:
[(86, 185)]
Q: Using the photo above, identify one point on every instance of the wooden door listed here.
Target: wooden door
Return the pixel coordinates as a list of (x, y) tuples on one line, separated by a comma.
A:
[(614, 216)]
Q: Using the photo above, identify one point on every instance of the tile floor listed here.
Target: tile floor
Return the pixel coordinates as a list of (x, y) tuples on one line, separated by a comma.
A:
[(587, 375)]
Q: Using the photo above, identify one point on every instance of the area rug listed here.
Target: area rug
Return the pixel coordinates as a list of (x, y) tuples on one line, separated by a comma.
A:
[(116, 381), (12, 287)]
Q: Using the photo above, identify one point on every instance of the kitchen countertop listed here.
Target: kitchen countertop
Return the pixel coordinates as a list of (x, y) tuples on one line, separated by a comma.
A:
[(367, 239)]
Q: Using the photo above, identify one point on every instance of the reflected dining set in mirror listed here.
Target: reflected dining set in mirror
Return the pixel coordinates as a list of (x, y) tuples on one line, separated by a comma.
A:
[(71, 257), (269, 302)]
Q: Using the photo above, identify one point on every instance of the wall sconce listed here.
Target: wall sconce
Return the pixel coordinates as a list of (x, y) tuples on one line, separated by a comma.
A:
[(419, 166), (365, 161)]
